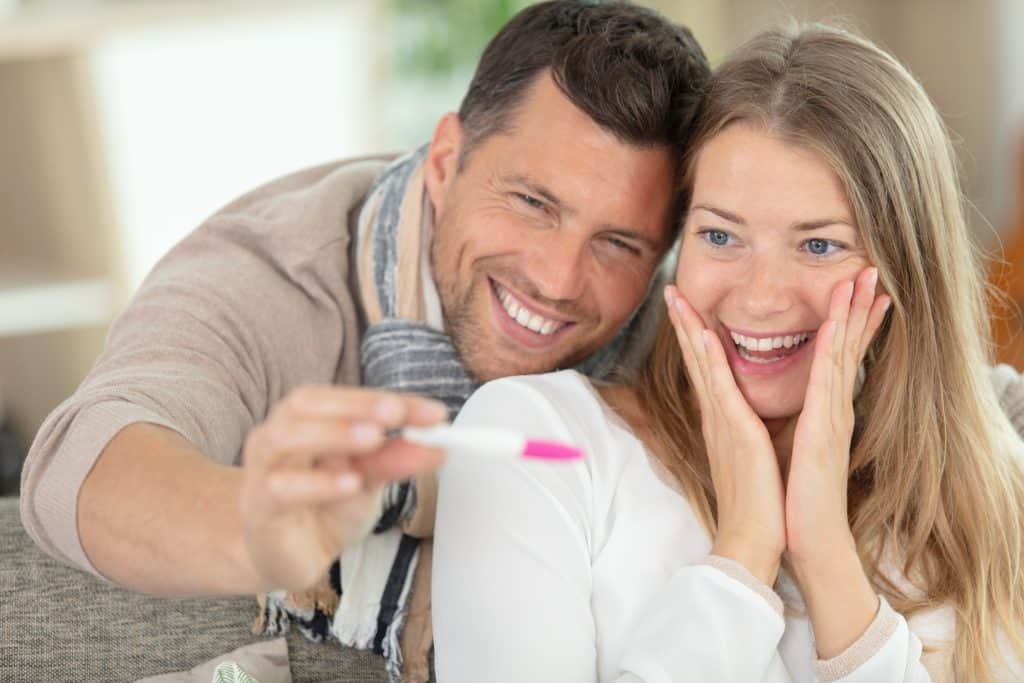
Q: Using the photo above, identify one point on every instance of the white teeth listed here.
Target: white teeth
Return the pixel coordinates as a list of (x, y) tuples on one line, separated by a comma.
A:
[(525, 317), (767, 343)]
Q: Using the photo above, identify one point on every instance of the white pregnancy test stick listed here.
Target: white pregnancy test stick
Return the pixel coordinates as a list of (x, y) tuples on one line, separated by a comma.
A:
[(490, 442)]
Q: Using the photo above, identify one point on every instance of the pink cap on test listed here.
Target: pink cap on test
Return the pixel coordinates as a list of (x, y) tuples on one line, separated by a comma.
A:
[(551, 450)]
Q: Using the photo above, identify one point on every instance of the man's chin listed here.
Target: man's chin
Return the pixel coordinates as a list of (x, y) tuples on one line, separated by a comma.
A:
[(496, 367)]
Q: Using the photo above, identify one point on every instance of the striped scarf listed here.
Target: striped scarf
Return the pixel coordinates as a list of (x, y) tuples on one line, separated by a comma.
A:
[(378, 593)]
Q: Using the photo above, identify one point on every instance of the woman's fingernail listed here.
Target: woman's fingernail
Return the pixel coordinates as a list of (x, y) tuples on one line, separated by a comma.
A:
[(873, 278), (888, 303)]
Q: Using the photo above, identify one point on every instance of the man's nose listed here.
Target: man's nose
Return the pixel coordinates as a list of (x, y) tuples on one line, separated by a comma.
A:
[(557, 265), (767, 287)]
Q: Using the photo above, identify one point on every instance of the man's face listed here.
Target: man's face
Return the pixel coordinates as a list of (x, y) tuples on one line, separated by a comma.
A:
[(548, 236)]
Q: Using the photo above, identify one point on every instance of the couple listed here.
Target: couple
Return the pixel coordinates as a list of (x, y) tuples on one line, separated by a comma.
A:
[(525, 238), (810, 477)]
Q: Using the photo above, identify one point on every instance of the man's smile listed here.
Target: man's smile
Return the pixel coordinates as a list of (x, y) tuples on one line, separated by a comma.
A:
[(525, 321)]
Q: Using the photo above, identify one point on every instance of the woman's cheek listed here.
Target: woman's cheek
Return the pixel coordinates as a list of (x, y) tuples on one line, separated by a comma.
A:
[(704, 282)]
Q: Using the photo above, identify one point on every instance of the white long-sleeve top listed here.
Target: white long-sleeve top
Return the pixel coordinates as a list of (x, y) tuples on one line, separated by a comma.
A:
[(599, 570)]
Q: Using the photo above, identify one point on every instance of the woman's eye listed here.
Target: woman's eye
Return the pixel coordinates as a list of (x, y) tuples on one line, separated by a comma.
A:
[(532, 202), (716, 238), (821, 247)]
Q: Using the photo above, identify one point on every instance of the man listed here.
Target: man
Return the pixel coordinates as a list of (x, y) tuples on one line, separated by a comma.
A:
[(524, 238)]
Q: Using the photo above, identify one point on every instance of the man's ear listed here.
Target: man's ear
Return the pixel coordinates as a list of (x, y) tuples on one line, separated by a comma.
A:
[(442, 162)]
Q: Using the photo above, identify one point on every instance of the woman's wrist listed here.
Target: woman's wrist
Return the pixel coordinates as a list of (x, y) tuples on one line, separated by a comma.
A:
[(762, 563), (840, 599)]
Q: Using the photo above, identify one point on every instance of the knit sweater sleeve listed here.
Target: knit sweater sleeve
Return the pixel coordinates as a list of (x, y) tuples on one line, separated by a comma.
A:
[(245, 308)]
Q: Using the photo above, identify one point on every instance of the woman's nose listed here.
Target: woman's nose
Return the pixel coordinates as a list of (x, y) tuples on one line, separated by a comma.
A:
[(767, 288)]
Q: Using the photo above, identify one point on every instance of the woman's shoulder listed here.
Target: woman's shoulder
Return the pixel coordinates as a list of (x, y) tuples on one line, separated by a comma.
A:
[(555, 401)]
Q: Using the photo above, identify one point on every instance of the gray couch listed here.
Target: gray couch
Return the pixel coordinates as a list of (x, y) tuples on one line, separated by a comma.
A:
[(61, 624)]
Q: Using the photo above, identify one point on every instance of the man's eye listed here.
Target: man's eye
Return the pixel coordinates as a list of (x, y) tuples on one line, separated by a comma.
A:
[(624, 246), (532, 202)]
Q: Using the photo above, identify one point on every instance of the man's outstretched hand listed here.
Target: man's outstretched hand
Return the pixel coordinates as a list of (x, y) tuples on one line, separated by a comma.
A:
[(314, 472)]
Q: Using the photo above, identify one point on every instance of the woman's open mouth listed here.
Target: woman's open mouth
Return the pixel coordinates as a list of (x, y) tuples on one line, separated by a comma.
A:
[(769, 349), (766, 354)]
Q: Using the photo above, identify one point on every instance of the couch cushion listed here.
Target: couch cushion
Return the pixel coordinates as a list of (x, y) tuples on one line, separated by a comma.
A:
[(63, 624)]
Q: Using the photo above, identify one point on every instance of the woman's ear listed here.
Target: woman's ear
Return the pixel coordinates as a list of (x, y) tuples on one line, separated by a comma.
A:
[(442, 162)]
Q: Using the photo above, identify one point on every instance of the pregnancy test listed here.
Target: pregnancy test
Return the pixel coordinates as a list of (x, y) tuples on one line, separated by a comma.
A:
[(488, 442)]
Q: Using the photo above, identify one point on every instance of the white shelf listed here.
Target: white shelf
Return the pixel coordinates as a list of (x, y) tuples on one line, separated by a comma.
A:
[(30, 305)]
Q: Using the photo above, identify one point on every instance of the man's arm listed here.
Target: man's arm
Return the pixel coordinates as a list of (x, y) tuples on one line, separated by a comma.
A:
[(155, 515), (158, 516)]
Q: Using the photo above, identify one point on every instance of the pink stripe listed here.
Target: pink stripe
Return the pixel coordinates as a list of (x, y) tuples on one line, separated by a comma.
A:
[(550, 450)]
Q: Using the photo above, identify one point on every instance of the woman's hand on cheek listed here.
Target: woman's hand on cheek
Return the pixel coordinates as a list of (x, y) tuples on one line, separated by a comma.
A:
[(816, 491), (744, 469)]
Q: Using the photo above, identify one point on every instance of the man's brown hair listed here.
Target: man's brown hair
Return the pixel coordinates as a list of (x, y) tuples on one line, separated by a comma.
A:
[(628, 68)]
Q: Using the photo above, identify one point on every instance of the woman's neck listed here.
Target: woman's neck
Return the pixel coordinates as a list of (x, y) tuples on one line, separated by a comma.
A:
[(626, 403)]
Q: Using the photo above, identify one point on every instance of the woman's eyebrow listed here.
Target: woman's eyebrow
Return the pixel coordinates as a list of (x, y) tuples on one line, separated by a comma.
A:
[(721, 213), (800, 226), (822, 223)]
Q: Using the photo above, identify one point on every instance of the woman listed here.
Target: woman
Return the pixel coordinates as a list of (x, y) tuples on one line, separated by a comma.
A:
[(811, 478)]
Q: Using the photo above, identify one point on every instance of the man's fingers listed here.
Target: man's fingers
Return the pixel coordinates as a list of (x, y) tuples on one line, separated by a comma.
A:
[(298, 441), (291, 487), (355, 403), (397, 460)]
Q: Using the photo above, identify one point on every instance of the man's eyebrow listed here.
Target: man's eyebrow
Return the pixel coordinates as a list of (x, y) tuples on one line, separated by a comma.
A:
[(802, 226)]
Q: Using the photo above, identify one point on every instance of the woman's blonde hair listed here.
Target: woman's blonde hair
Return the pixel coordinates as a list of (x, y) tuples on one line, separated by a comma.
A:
[(935, 475)]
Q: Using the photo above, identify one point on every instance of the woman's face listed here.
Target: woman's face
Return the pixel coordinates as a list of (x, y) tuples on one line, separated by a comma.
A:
[(768, 236)]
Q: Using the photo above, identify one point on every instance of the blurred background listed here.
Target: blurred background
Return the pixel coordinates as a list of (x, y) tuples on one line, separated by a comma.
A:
[(124, 124)]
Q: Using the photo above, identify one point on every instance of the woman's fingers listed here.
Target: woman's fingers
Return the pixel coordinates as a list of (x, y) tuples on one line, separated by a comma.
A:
[(723, 382), (863, 297), (875, 318), (686, 344), (694, 326)]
